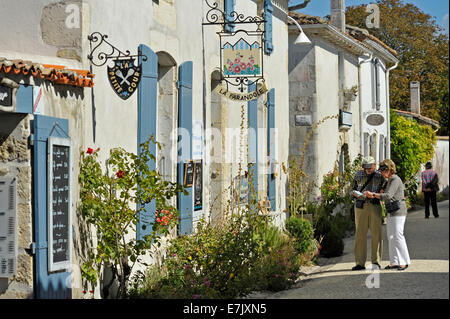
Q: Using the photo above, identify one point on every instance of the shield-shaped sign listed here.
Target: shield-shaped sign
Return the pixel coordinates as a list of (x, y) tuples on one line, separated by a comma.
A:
[(124, 77)]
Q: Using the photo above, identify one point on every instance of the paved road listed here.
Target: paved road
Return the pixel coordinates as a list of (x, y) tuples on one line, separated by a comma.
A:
[(426, 278)]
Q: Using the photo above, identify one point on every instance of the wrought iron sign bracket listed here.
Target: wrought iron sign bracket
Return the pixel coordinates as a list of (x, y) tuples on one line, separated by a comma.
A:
[(125, 74), (241, 50)]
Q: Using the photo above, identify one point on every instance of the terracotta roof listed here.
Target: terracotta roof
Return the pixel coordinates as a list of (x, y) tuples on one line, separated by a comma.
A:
[(354, 32), (361, 34), (306, 19), (58, 74)]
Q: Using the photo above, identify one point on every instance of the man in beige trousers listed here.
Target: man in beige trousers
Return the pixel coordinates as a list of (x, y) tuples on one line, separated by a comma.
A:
[(367, 214)]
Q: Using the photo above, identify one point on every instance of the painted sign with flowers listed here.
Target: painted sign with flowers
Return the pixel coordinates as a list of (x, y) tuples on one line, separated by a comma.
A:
[(241, 58)]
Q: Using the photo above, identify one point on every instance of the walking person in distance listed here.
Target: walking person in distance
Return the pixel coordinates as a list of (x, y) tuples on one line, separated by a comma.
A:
[(430, 186)]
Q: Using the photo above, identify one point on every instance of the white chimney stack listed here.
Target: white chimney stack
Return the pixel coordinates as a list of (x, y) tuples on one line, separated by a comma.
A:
[(415, 97), (337, 15)]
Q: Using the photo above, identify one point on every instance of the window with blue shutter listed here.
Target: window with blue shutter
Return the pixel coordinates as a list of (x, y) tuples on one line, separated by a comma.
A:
[(185, 202), (271, 189), (229, 8), (268, 13), (252, 115), (147, 99)]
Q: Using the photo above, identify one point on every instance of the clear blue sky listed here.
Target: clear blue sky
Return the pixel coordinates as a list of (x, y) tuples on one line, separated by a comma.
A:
[(436, 8)]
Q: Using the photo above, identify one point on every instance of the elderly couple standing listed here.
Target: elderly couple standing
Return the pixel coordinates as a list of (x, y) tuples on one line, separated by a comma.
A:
[(369, 187)]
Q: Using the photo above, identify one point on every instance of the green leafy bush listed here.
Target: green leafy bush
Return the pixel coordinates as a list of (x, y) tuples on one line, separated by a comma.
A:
[(302, 231), (332, 243), (279, 266), (411, 145)]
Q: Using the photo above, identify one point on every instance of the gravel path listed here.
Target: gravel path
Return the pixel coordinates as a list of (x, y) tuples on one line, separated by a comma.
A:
[(426, 278)]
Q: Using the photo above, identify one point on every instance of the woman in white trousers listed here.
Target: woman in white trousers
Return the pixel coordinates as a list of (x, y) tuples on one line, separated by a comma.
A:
[(394, 199)]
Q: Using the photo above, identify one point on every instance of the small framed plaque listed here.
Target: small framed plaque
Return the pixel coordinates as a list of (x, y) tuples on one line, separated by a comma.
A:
[(189, 168)]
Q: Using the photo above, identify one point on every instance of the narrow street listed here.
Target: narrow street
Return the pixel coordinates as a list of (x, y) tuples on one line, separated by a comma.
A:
[(426, 278)]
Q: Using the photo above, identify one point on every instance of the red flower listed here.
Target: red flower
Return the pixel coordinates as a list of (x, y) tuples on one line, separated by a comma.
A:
[(237, 69), (120, 174), (90, 150)]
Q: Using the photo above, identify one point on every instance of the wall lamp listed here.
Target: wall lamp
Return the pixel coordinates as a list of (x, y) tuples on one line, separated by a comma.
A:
[(302, 38)]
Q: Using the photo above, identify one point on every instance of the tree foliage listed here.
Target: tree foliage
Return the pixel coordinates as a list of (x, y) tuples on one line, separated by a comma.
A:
[(422, 51), (411, 145)]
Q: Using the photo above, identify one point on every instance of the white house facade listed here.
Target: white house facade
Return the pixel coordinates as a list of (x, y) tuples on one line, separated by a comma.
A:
[(61, 93)]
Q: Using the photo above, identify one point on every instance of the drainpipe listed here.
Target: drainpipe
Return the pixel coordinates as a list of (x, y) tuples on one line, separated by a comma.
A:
[(388, 108), (364, 58)]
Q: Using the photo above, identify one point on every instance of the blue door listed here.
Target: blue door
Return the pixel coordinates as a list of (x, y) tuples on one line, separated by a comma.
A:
[(47, 285)]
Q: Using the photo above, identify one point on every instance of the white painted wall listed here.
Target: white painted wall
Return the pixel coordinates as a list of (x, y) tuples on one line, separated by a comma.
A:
[(173, 27)]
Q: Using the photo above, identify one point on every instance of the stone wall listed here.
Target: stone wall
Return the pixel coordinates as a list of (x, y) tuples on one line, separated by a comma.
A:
[(15, 161)]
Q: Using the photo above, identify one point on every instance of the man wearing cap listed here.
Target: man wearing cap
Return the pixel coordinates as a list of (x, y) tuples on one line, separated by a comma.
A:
[(367, 214)]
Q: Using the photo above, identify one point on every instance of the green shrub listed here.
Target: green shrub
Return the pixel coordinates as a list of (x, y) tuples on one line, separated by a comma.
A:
[(332, 243), (279, 267), (328, 228), (302, 231)]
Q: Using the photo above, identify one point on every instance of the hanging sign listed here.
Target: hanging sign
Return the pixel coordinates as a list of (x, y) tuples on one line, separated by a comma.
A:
[(223, 90), (241, 49), (124, 77)]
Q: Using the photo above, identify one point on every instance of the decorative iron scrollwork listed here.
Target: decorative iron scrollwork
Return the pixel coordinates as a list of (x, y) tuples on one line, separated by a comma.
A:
[(102, 57), (219, 17)]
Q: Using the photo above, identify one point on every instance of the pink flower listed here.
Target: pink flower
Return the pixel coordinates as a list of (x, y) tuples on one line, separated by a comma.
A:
[(243, 66), (196, 296), (237, 60), (237, 69), (230, 69)]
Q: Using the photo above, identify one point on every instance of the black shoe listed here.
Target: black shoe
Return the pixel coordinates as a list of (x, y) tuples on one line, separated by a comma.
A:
[(358, 267), (391, 267), (402, 268), (427, 217), (436, 216)]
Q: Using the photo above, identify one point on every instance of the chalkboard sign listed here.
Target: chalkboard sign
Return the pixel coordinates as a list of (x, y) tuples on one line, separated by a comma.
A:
[(189, 173), (198, 185), (59, 204)]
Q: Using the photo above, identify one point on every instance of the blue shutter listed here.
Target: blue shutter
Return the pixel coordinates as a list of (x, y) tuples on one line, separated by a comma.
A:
[(185, 202), (271, 189), (24, 99), (252, 114), (268, 13), (147, 99), (57, 284), (229, 8)]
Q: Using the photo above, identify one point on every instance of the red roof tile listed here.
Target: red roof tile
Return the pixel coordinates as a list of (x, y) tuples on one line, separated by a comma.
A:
[(55, 73)]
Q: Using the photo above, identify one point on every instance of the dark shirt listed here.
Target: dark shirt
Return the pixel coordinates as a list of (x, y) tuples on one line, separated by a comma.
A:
[(374, 186)]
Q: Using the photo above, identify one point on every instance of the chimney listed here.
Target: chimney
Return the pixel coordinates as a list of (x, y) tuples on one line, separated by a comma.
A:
[(337, 16), (415, 97)]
